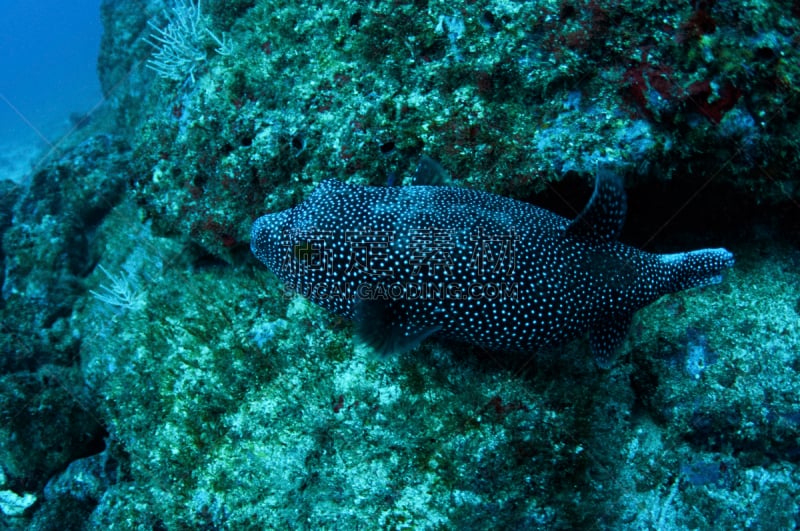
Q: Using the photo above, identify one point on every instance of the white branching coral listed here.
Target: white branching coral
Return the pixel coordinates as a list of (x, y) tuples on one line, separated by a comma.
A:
[(181, 44), (123, 292)]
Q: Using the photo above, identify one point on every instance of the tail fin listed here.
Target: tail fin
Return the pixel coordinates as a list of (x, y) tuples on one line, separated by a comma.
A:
[(695, 269)]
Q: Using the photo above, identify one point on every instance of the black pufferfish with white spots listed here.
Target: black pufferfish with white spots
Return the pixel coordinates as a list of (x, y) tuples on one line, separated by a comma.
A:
[(410, 262)]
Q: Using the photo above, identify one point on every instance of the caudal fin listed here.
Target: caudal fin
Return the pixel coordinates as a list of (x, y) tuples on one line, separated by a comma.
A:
[(695, 269)]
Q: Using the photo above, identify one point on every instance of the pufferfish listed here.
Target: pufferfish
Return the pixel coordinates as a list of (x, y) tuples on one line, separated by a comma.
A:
[(410, 262)]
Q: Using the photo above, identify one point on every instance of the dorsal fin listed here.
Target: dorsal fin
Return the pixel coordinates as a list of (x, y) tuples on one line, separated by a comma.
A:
[(431, 173), (604, 214)]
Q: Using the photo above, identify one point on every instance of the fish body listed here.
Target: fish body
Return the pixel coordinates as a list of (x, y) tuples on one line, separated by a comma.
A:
[(410, 262)]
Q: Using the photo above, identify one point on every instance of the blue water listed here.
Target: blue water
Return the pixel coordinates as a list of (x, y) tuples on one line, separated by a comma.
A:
[(48, 57)]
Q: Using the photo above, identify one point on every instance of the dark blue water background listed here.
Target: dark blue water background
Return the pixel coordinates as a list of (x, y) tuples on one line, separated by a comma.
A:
[(48, 58)]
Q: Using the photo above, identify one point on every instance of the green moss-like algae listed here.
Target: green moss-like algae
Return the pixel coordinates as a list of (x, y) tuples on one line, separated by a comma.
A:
[(228, 403), (509, 96)]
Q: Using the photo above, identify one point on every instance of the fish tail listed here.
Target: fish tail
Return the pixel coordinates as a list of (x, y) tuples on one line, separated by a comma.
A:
[(695, 269)]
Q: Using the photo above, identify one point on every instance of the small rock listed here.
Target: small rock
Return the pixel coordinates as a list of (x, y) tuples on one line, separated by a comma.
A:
[(12, 504)]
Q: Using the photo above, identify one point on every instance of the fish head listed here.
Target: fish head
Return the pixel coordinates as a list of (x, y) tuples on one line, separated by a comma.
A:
[(271, 238), (295, 243)]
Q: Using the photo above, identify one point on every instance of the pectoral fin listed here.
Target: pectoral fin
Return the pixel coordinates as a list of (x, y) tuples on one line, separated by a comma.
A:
[(382, 325)]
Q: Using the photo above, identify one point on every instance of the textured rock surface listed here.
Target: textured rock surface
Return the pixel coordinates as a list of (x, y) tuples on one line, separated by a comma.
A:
[(220, 400)]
